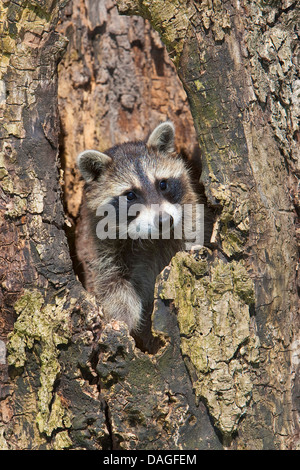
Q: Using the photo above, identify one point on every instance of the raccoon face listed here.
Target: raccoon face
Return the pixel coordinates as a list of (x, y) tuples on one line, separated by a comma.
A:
[(154, 213), (146, 181)]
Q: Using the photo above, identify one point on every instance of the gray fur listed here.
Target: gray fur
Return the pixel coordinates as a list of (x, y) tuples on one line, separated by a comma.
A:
[(126, 270), (162, 138), (91, 163)]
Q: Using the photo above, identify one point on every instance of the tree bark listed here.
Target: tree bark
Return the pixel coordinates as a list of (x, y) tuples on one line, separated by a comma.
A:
[(39, 291), (224, 370)]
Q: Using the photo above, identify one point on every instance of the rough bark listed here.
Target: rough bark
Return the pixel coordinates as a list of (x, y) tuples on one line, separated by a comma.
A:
[(39, 291), (237, 62), (225, 369)]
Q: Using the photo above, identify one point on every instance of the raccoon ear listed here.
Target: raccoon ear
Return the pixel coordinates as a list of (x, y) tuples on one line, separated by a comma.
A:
[(91, 163), (162, 138)]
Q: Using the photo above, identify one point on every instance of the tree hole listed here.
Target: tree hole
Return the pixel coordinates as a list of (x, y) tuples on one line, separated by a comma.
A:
[(94, 118)]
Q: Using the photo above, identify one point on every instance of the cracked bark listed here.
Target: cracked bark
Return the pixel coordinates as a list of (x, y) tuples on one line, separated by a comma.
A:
[(225, 372), (39, 291)]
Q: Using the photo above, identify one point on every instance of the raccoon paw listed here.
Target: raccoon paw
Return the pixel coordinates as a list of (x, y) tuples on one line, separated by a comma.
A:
[(123, 304)]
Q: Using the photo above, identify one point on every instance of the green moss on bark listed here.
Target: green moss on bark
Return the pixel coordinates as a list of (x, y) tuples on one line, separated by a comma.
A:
[(48, 326), (217, 338)]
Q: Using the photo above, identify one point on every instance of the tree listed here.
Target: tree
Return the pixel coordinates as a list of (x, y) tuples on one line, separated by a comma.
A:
[(224, 371)]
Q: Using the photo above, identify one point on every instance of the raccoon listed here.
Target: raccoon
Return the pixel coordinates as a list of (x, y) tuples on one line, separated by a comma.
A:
[(150, 176)]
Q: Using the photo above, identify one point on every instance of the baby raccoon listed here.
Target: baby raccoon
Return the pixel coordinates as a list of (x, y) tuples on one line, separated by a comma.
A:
[(136, 191)]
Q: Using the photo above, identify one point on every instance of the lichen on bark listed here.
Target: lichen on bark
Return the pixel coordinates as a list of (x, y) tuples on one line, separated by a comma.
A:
[(30, 21), (218, 339), (170, 18), (49, 326)]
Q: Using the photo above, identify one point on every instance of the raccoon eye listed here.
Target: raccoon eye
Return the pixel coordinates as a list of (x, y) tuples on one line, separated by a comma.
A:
[(130, 196), (163, 185)]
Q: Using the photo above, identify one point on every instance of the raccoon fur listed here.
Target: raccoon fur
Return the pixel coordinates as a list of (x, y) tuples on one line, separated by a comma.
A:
[(150, 174)]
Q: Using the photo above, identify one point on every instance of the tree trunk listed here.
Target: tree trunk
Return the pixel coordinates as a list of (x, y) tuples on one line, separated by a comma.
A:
[(39, 291), (224, 370)]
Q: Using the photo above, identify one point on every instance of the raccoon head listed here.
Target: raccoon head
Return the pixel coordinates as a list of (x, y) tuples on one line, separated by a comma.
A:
[(148, 178)]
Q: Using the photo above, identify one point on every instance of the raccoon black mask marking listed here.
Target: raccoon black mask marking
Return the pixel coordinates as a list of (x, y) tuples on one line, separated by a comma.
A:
[(149, 176)]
